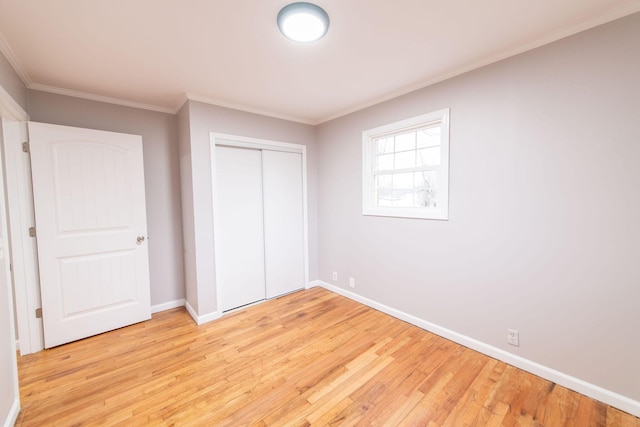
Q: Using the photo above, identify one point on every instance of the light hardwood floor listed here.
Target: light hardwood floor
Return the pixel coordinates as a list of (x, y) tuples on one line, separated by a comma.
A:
[(309, 358)]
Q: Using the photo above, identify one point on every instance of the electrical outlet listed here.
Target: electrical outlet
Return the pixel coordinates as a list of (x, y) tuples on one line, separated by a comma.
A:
[(513, 337), (352, 282), (334, 276)]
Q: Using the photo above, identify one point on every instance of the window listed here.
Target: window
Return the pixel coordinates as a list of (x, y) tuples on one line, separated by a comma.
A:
[(406, 168)]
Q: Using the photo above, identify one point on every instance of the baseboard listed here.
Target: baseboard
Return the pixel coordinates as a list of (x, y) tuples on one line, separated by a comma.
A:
[(12, 416), (167, 306), (314, 283), (596, 392), (201, 319)]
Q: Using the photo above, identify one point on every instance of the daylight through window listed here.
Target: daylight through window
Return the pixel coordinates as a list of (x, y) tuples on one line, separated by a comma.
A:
[(406, 168)]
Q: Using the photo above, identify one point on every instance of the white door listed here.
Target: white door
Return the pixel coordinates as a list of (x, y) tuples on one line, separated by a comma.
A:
[(91, 227), (238, 234), (283, 222)]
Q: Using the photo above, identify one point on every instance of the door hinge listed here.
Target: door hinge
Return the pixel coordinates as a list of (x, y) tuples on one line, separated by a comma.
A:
[(32, 232), (25, 147), (38, 313)]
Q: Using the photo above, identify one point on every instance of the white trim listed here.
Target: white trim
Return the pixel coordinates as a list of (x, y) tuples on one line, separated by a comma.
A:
[(13, 413), (621, 12), (8, 53), (251, 110), (167, 305), (314, 284), (191, 311), (265, 144), (257, 143), (558, 35), (201, 319), (100, 98), (26, 282), (9, 108), (591, 390), (5, 251)]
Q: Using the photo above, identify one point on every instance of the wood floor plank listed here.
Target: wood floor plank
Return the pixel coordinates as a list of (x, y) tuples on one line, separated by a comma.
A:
[(311, 358)]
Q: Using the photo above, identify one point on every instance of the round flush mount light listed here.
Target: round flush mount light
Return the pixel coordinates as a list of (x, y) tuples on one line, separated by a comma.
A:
[(303, 22)]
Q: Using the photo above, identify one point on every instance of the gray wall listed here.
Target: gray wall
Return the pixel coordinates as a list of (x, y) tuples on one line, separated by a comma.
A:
[(544, 226), (195, 160), (11, 82), (186, 191), (161, 171)]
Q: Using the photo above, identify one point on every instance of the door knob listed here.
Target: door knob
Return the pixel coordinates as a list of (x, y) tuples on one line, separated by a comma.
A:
[(139, 240)]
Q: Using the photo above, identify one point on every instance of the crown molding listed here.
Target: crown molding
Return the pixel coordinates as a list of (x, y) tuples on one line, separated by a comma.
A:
[(240, 107), (100, 98), (621, 12), (558, 35), (6, 50)]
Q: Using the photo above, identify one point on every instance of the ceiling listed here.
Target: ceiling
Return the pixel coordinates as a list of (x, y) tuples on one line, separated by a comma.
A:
[(156, 53)]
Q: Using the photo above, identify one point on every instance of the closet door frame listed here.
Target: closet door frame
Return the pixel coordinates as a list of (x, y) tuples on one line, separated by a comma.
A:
[(260, 144)]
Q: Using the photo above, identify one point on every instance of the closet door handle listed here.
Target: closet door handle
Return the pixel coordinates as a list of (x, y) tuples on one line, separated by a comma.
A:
[(139, 240)]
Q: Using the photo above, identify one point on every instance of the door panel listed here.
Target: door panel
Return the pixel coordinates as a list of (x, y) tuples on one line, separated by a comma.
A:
[(239, 241), (283, 222), (91, 226)]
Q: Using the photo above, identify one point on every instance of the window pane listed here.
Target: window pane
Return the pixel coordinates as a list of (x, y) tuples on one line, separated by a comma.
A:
[(426, 179), (406, 141), (384, 181), (429, 137), (428, 157), (385, 200), (384, 146), (403, 198), (403, 180), (383, 189), (426, 198), (384, 162), (426, 189), (405, 160), (384, 197)]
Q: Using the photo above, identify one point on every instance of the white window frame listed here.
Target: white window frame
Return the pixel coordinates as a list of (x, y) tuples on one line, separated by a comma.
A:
[(441, 211)]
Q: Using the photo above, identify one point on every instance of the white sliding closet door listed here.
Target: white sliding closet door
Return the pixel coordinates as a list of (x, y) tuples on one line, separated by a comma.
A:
[(239, 233), (283, 222), (259, 219)]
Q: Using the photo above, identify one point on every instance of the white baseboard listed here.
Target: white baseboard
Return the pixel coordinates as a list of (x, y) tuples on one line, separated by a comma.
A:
[(204, 318), (314, 284), (12, 416), (603, 395), (167, 305)]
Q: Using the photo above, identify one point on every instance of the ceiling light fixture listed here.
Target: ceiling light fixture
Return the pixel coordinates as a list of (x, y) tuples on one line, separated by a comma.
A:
[(303, 22)]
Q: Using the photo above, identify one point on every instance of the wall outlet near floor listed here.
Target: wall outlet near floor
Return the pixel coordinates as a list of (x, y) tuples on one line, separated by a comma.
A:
[(513, 337), (352, 282), (334, 276)]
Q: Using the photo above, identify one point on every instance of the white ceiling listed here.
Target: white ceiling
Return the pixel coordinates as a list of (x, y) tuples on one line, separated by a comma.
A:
[(154, 53)]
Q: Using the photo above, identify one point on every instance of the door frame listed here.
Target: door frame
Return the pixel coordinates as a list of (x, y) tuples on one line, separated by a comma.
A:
[(260, 144), (20, 213), (10, 114)]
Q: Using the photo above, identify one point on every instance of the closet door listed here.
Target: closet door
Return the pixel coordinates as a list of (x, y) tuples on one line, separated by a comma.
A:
[(239, 233), (283, 222)]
